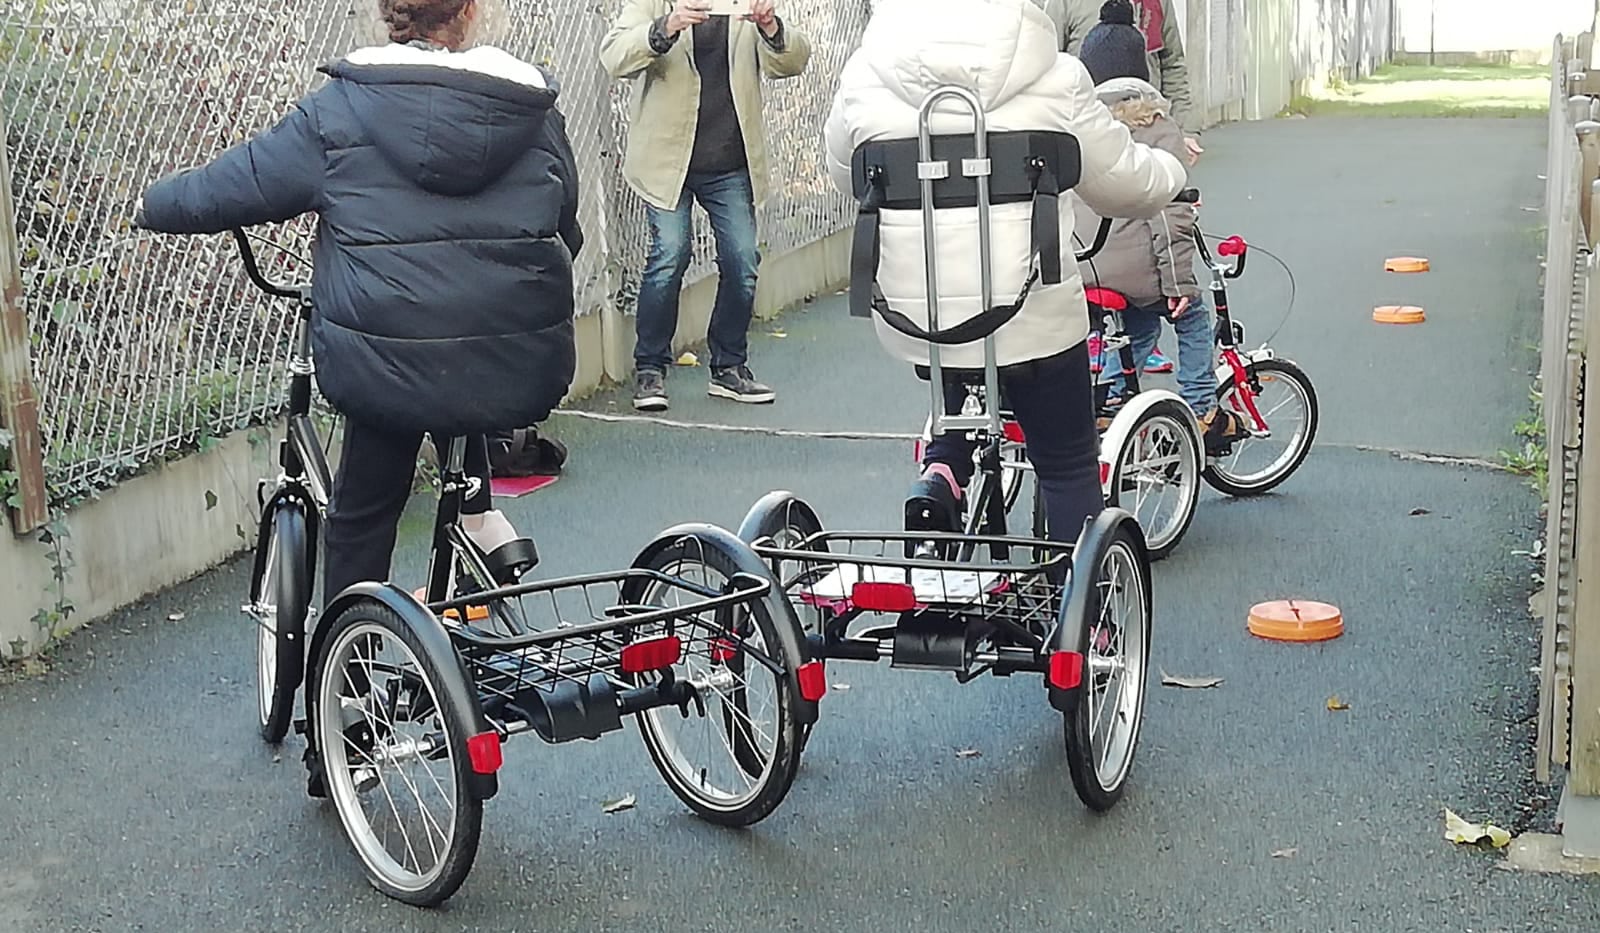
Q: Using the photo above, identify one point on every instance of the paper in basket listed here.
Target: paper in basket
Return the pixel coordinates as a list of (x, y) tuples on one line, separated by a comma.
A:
[(929, 585)]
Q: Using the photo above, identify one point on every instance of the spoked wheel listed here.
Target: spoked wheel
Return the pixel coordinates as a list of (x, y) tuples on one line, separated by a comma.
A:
[(280, 597), (731, 755), (1156, 475), (1288, 404), (1102, 727), (787, 522), (394, 755)]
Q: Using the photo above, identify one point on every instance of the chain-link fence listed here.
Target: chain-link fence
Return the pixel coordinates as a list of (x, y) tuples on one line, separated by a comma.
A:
[(143, 345)]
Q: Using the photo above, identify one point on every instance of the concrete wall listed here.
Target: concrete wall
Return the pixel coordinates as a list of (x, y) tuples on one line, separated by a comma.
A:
[(186, 516)]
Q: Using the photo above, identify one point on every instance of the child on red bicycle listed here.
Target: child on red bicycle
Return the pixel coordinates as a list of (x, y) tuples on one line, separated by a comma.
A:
[(446, 198), (1150, 261)]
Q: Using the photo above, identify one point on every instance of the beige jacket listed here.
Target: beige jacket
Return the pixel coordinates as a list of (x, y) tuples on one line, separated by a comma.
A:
[(666, 97), (1147, 259)]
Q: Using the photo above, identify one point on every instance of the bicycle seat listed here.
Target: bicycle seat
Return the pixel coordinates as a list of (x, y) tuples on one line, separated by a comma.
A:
[(1106, 298)]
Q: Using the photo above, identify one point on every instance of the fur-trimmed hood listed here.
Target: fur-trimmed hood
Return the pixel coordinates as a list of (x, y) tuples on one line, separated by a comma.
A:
[(1133, 101)]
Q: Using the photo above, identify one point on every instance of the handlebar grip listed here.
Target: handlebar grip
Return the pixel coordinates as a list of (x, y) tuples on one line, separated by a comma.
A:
[(1187, 196)]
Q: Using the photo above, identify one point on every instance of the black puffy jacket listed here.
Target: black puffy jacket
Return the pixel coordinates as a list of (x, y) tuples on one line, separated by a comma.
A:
[(447, 199)]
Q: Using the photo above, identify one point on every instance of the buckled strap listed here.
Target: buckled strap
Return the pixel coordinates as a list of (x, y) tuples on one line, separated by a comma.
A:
[(1046, 223), (864, 250)]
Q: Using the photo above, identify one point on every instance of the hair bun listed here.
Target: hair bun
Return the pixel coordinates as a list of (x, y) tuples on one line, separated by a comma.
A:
[(1117, 12)]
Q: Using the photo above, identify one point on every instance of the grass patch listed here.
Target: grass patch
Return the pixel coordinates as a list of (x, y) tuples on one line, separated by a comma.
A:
[(1434, 91), (1531, 461)]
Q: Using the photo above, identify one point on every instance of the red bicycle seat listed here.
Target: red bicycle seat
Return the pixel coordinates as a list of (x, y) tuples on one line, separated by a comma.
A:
[(1106, 298)]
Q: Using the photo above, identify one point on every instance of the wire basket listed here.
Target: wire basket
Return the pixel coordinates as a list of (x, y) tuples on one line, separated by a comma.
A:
[(834, 576), (525, 646)]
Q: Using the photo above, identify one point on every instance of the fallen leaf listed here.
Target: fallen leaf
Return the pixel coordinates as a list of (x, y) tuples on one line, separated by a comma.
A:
[(1337, 705), (1421, 511), (688, 359), (1461, 832), (1286, 853), (969, 753), (176, 617), (1193, 683), (211, 500), (617, 806)]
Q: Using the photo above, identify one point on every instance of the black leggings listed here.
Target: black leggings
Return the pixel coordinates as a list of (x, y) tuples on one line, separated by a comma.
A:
[(1053, 401), (369, 495)]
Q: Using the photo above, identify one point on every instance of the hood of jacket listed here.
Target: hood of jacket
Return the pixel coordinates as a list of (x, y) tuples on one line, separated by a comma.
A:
[(451, 122), (1133, 101), (996, 48)]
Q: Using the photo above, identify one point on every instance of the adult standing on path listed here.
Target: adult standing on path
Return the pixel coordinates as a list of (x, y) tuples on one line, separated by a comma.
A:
[(696, 134), (1163, 45)]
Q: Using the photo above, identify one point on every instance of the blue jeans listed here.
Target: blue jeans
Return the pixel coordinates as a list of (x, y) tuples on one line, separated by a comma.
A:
[(1197, 380), (1053, 403), (730, 203)]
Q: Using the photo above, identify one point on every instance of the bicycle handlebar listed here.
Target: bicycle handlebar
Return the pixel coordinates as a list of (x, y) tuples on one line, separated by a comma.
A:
[(1186, 196), (253, 270)]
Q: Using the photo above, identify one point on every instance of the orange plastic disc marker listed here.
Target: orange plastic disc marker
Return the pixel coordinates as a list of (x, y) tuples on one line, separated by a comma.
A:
[(1295, 620), (1399, 314), (1406, 264)]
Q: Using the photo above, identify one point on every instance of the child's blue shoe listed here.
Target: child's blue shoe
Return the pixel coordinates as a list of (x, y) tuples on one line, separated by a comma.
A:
[(1157, 363)]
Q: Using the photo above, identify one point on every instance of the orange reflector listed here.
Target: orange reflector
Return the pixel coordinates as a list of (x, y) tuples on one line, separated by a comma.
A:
[(651, 655), (1406, 264), (883, 597), (483, 752), (813, 681), (1066, 670), (1298, 620), (474, 613), (1399, 314)]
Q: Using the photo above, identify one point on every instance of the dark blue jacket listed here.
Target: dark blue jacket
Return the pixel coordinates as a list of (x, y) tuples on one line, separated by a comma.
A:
[(447, 200)]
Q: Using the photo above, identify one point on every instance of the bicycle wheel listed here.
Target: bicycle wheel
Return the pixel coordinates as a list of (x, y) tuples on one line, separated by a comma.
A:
[(733, 757), (1102, 726), (787, 522), (394, 755), (280, 597), (1156, 475), (1288, 404)]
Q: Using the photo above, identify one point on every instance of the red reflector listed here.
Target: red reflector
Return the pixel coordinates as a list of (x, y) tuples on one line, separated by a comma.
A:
[(916, 451), (813, 681), (883, 597), (1066, 670), (723, 650), (1013, 432), (483, 752), (1232, 246), (651, 655), (1105, 473)]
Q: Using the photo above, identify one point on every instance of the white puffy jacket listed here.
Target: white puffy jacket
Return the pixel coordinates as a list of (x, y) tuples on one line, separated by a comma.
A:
[(1004, 51)]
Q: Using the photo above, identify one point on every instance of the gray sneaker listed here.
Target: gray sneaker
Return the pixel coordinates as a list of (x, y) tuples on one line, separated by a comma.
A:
[(738, 384), (650, 390)]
